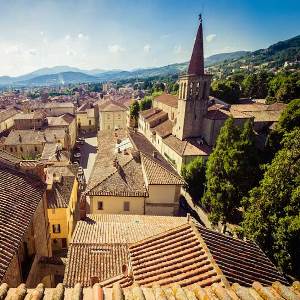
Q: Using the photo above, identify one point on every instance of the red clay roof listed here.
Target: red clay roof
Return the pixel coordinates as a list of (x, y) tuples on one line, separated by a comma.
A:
[(168, 99)]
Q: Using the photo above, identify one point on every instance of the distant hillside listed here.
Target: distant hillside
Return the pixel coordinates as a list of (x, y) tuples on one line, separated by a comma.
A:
[(217, 58), (57, 79), (273, 56)]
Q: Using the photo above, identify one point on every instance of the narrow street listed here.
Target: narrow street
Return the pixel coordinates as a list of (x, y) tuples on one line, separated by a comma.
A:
[(88, 155)]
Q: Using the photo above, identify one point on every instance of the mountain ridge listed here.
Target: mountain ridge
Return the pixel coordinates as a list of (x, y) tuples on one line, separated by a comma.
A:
[(279, 52)]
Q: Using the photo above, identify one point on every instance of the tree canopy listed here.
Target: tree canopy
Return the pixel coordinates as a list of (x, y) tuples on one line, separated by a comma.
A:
[(134, 110), (232, 170), (226, 90), (272, 211), (193, 174), (289, 119)]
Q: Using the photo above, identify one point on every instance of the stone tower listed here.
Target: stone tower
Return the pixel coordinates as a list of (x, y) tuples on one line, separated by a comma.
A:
[(193, 93)]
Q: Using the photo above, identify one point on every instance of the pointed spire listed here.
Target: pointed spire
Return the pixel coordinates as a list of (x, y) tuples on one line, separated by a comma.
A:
[(196, 65)]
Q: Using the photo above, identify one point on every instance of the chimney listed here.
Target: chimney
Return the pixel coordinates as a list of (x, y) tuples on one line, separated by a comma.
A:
[(188, 217), (82, 207), (20, 138), (154, 154), (34, 168)]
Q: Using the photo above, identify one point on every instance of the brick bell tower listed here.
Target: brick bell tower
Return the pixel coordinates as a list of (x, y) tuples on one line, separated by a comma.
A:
[(193, 93)]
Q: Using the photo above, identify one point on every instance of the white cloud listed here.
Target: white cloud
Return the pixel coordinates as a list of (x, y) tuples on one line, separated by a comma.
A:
[(147, 48), (33, 52), (178, 49), (42, 33), (13, 49), (210, 37), (81, 36), (71, 52), (115, 48), (67, 37)]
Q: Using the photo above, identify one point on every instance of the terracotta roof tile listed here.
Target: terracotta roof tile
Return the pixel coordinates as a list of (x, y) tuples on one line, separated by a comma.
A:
[(158, 174), (168, 99), (20, 195), (164, 129), (99, 245), (156, 292), (111, 105), (188, 147), (240, 261)]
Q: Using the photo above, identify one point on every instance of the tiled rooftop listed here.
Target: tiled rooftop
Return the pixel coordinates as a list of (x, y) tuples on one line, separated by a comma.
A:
[(164, 129), (34, 137), (116, 172), (187, 147), (168, 99), (111, 105), (240, 261), (63, 120), (142, 144), (174, 256), (59, 195), (158, 174), (99, 246), (7, 113), (156, 292), (20, 195), (59, 105)]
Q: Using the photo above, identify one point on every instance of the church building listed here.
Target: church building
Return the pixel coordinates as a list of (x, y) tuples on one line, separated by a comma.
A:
[(185, 126)]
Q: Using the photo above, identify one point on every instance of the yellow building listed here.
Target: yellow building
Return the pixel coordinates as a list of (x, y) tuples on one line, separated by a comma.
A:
[(63, 210), (112, 115), (7, 119), (86, 118), (30, 143)]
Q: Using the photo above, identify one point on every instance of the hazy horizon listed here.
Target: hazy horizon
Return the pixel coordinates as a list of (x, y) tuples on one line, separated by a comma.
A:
[(134, 34)]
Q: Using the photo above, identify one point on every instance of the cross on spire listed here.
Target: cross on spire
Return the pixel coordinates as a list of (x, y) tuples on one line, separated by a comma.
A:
[(200, 18)]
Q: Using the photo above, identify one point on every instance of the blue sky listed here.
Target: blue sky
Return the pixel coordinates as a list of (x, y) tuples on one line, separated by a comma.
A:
[(127, 34)]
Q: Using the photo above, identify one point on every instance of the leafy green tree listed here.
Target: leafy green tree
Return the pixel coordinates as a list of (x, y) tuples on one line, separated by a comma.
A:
[(285, 86), (134, 110), (193, 174), (256, 85), (272, 211), (146, 103), (228, 91), (231, 171), (289, 119)]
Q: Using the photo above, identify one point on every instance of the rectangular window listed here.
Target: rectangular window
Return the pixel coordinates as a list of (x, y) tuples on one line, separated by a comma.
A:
[(35, 149), (56, 228), (100, 205), (126, 206)]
